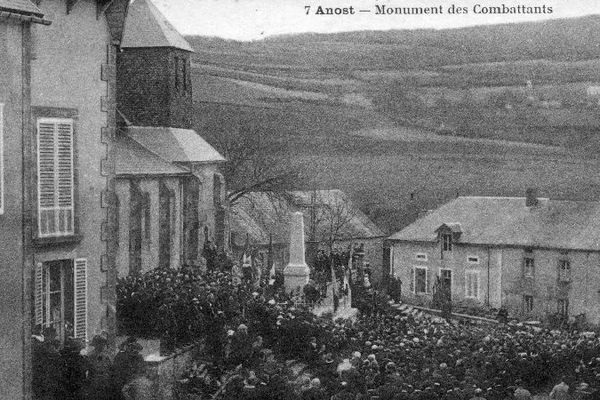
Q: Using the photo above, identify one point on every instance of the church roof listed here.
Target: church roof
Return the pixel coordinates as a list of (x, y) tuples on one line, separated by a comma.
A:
[(21, 7), (146, 26), (133, 159), (175, 144)]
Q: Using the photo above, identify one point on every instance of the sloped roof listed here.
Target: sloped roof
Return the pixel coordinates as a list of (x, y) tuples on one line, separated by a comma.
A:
[(21, 7), (174, 144), (145, 26), (569, 225), (260, 214), (131, 158)]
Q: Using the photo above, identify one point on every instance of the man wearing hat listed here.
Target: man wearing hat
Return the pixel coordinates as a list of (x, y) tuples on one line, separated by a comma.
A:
[(74, 369), (127, 362), (99, 370), (560, 391)]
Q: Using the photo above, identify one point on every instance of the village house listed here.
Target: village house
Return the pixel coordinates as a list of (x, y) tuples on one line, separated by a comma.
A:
[(170, 194), (57, 120), (534, 256), (262, 220)]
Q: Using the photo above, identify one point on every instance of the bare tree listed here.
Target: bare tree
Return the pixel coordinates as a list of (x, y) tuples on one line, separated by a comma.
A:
[(256, 160)]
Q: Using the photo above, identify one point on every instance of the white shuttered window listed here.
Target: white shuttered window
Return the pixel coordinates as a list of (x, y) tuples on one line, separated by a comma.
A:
[(80, 315), (56, 216)]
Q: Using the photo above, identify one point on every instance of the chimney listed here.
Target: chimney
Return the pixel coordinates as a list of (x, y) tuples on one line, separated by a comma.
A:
[(531, 197)]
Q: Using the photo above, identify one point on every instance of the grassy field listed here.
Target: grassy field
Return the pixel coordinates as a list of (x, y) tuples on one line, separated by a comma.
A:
[(360, 111)]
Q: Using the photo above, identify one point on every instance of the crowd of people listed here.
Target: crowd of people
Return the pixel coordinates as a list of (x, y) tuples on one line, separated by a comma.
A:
[(66, 372), (391, 355)]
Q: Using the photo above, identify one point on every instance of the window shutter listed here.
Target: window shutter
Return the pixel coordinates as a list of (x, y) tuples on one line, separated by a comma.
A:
[(55, 177), (427, 281), (39, 308), (1, 158), (412, 280), (80, 291)]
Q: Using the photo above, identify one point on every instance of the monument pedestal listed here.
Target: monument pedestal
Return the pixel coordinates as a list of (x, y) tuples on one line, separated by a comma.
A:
[(295, 277)]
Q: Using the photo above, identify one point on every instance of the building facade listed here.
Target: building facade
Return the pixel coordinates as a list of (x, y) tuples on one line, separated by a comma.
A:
[(16, 21), (170, 195), (535, 257), (57, 122)]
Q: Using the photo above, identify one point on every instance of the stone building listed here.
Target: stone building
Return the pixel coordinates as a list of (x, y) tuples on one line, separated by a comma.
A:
[(57, 123), (534, 256), (170, 194)]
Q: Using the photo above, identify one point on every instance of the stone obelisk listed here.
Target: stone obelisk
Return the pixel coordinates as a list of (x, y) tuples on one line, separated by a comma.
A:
[(296, 273)]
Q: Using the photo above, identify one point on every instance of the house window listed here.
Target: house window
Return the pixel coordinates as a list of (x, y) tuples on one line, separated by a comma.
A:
[(420, 280), (177, 78), (421, 256), (1, 158), (563, 307), (528, 267), (472, 284), (181, 74), (564, 270), (146, 222), (446, 242), (56, 214), (166, 224), (473, 260), (184, 76), (528, 303), (61, 297)]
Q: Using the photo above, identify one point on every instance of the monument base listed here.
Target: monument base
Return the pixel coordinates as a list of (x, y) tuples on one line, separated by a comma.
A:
[(295, 276)]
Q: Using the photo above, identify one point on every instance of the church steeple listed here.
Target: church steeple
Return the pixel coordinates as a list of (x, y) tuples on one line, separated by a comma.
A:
[(153, 70)]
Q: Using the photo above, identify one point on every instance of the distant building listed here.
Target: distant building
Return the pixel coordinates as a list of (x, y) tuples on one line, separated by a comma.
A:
[(534, 256), (593, 93), (261, 216), (168, 188)]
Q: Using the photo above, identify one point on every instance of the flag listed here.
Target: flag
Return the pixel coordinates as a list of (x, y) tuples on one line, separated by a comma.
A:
[(270, 263)]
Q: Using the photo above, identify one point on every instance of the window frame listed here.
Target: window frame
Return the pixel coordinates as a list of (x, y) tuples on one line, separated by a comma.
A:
[(31, 169), (473, 259), (564, 274), (447, 242), (64, 267), (421, 257), (55, 233), (529, 267), (527, 307), (424, 268), (468, 284), (562, 306)]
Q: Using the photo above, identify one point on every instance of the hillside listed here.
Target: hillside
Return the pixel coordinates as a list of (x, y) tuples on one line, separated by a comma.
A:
[(403, 120)]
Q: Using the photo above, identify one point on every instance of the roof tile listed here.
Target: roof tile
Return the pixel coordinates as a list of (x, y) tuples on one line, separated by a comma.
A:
[(508, 221)]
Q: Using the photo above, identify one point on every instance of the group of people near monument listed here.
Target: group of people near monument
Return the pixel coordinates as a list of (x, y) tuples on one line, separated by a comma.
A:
[(397, 356)]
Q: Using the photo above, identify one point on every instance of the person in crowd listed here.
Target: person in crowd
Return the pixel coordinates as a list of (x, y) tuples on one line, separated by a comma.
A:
[(560, 391), (478, 395), (139, 387), (241, 345), (74, 370), (126, 364), (236, 274), (46, 365), (520, 392), (314, 391), (100, 366)]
